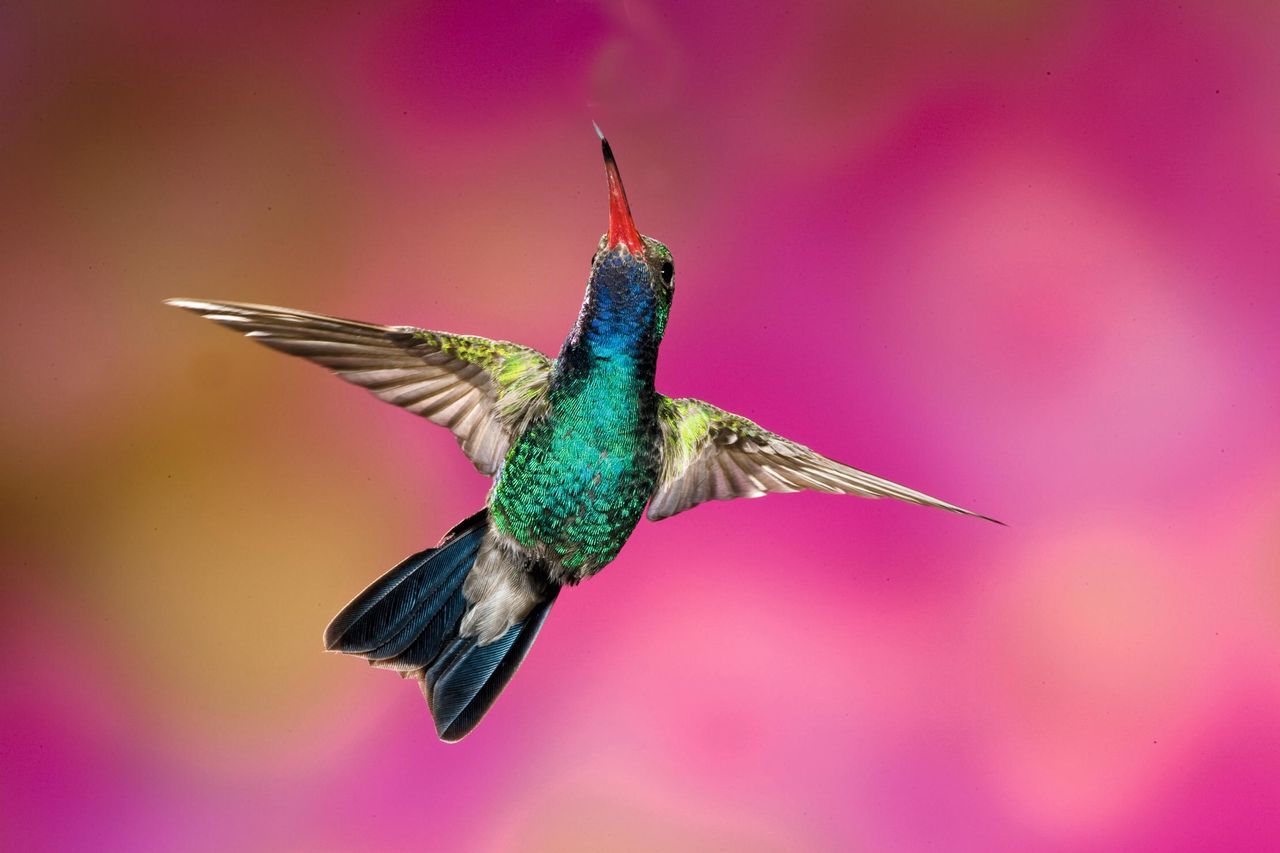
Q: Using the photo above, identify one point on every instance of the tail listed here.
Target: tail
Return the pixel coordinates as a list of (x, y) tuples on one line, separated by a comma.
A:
[(409, 618)]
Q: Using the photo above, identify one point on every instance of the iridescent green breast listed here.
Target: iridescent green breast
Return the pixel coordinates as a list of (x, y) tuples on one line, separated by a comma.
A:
[(576, 480), (575, 483)]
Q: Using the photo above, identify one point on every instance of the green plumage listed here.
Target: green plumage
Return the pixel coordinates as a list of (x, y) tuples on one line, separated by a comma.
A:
[(575, 484)]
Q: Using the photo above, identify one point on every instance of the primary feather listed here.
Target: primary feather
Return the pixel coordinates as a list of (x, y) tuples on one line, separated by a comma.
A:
[(710, 454), (484, 391)]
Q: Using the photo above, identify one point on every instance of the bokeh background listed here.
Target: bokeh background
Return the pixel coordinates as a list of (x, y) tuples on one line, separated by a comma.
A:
[(1021, 255)]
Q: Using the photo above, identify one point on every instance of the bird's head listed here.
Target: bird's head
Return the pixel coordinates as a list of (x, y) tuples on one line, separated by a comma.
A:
[(626, 263)]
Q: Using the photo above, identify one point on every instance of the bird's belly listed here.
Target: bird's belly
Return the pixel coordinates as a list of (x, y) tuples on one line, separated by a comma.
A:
[(572, 494)]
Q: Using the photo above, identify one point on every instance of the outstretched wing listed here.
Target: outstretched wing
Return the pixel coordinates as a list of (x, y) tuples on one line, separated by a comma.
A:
[(482, 390), (710, 454)]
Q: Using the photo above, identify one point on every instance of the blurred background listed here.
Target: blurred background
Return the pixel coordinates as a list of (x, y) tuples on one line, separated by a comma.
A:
[(1020, 255)]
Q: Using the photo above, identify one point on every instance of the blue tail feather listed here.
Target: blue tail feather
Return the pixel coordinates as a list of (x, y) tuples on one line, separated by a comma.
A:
[(409, 620), (407, 594), (348, 632), (467, 677), (437, 608)]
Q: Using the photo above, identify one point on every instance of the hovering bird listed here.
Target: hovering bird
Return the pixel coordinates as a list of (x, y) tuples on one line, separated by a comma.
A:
[(577, 446)]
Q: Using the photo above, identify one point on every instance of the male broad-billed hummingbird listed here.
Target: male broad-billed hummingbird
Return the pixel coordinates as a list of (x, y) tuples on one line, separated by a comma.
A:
[(577, 446)]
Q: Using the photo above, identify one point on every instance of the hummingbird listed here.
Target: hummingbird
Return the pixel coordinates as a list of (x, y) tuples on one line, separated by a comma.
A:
[(577, 447)]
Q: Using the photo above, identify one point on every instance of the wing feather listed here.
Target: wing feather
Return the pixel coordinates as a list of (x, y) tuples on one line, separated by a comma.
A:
[(710, 454), (484, 391)]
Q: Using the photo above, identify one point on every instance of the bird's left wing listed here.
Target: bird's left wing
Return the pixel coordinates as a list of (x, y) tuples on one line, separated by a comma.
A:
[(483, 391), (710, 454)]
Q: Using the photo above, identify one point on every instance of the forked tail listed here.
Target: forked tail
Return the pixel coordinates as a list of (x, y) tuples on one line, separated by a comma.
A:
[(408, 620)]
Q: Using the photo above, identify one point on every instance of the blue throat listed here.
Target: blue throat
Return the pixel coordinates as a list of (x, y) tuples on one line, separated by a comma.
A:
[(615, 331)]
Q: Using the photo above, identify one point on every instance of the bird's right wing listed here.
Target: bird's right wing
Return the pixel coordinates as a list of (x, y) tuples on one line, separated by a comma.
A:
[(484, 391), (710, 454)]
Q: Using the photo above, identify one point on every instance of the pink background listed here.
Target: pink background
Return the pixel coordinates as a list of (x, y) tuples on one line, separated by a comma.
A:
[(1021, 255)]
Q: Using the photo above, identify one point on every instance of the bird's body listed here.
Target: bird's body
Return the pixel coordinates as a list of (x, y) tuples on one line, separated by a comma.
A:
[(576, 482), (578, 447)]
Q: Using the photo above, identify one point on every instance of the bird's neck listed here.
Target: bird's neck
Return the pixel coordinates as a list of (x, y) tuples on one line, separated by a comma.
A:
[(614, 338)]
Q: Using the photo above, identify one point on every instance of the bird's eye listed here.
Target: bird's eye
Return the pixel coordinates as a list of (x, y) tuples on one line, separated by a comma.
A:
[(667, 271)]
